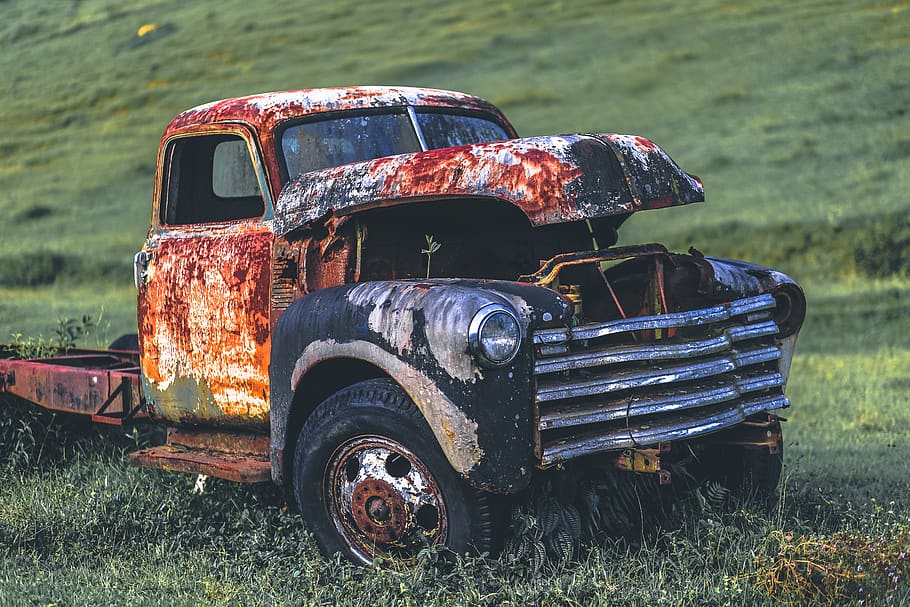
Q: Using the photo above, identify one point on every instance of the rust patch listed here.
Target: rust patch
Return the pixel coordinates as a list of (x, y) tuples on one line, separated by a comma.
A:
[(86, 382), (204, 325), (267, 110), (550, 179), (235, 467), (226, 442)]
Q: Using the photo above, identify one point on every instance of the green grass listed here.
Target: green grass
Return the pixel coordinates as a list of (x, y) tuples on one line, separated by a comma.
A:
[(793, 114)]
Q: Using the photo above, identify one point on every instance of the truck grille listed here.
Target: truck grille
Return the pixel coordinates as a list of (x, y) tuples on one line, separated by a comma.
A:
[(598, 389)]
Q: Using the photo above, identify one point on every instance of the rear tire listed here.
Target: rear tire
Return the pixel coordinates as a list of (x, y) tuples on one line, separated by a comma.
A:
[(371, 480), (128, 342)]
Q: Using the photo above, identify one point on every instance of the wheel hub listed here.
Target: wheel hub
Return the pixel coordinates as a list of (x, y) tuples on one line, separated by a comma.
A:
[(379, 511), (383, 499)]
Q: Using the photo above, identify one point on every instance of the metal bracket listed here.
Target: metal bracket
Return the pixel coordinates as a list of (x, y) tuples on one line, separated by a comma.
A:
[(127, 411), (754, 434), (646, 461), (639, 460)]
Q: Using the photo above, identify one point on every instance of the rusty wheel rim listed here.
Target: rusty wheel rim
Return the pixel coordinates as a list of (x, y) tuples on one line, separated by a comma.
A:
[(383, 500)]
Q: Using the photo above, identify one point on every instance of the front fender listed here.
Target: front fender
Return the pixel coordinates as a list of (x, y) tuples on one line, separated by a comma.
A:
[(417, 333)]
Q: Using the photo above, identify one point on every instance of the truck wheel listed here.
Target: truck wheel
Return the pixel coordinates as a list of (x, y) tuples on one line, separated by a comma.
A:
[(372, 482), (127, 342), (750, 474)]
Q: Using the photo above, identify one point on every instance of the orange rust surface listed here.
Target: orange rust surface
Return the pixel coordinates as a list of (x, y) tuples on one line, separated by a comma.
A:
[(266, 110), (204, 325), (233, 467), (238, 443), (79, 384), (532, 173)]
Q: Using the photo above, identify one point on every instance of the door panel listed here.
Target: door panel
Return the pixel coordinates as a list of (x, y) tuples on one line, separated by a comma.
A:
[(204, 325)]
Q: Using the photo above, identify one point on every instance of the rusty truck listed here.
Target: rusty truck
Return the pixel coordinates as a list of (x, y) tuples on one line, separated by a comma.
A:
[(385, 300)]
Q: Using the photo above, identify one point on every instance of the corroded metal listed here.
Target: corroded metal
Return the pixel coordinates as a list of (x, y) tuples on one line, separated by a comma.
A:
[(550, 179), (237, 467), (639, 460), (680, 427), (688, 318), (596, 391), (763, 434), (549, 271), (596, 357), (205, 326), (655, 375), (656, 403), (417, 333), (266, 112), (235, 456), (383, 499), (88, 382)]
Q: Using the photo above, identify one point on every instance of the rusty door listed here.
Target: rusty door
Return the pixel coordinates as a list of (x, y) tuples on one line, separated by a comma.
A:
[(204, 283)]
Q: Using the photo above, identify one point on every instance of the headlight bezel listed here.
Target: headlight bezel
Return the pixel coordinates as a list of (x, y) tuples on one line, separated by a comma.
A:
[(475, 334)]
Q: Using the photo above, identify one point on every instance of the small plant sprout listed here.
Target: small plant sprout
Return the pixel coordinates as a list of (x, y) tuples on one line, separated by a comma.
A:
[(432, 247)]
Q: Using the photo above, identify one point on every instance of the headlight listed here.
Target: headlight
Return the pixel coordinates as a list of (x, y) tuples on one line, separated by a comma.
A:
[(495, 335), (790, 310)]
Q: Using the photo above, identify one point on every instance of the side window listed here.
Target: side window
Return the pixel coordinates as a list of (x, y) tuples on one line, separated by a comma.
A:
[(210, 178)]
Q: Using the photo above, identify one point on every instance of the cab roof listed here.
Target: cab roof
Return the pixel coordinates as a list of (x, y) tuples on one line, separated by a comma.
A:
[(265, 111)]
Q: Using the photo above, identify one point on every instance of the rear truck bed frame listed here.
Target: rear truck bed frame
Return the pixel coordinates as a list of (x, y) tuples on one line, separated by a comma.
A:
[(105, 386)]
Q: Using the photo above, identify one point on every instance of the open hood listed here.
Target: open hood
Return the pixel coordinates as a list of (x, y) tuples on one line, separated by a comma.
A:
[(552, 179)]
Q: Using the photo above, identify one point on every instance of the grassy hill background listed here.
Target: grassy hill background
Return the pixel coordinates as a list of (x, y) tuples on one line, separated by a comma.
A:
[(793, 114)]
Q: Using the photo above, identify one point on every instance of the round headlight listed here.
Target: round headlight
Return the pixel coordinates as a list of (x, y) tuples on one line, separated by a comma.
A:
[(495, 334), (790, 309)]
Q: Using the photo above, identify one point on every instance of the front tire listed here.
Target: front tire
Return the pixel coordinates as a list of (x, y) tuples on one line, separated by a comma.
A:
[(372, 482), (751, 474)]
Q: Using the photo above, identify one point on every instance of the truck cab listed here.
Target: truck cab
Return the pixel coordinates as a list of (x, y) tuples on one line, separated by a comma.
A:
[(214, 276)]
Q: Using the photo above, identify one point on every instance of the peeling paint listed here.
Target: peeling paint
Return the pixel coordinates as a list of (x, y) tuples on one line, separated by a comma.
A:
[(550, 179), (182, 398), (267, 110), (456, 433), (446, 321), (204, 326)]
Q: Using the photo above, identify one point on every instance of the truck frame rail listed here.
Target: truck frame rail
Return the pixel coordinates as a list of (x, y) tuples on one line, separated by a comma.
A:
[(103, 384)]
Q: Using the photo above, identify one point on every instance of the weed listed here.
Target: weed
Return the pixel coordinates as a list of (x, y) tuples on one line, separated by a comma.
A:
[(70, 331), (33, 347), (797, 568), (432, 247)]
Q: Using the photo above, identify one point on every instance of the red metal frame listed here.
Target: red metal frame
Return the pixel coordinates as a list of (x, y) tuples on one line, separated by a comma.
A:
[(101, 383)]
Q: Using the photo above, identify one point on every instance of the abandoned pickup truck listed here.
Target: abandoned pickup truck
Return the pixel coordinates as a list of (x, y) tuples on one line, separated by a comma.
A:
[(384, 299)]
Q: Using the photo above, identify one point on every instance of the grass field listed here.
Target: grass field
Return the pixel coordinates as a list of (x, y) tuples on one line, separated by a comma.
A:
[(793, 114)]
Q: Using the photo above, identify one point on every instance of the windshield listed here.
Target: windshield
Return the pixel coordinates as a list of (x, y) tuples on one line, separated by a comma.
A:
[(310, 146), (318, 145), (448, 130)]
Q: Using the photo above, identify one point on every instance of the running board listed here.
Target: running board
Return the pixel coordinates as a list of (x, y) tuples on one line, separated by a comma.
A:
[(243, 458)]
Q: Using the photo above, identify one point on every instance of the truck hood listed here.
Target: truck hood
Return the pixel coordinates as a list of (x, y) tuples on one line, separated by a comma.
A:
[(552, 179)]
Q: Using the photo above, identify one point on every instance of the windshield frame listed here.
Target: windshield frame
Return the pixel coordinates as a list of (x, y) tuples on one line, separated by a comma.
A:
[(410, 111)]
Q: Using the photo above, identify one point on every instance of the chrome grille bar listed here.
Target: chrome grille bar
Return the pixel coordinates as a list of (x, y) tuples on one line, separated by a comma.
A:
[(558, 389), (655, 350), (639, 404), (689, 318), (678, 428), (594, 396)]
